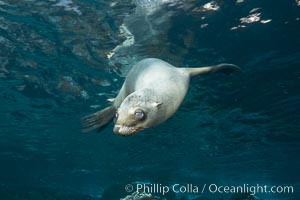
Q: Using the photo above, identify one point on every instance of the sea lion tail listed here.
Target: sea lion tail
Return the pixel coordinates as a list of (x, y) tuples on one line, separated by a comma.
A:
[(98, 119), (224, 68)]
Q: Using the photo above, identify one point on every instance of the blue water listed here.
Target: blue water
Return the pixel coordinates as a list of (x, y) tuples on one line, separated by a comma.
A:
[(61, 59)]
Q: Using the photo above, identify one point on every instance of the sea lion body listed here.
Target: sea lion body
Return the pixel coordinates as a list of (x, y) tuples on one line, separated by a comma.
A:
[(152, 92)]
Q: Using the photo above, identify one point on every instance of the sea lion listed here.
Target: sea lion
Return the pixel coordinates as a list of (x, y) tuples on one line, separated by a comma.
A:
[(152, 93)]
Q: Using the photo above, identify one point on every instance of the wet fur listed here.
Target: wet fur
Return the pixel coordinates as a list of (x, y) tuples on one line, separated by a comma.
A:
[(153, 81)]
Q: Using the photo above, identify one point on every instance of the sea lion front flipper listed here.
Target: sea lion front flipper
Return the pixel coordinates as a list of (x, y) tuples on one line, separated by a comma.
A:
[(98, 119), (224, 67), (111, 100)]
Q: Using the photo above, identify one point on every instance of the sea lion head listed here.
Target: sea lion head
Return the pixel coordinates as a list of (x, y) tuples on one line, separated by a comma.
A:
[(138, 111)]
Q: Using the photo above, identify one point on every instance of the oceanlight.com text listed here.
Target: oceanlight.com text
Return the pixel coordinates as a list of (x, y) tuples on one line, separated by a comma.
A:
[(250, 189)]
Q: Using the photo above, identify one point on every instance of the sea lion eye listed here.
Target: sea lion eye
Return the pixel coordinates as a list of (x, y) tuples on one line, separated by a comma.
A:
[(139, 114)]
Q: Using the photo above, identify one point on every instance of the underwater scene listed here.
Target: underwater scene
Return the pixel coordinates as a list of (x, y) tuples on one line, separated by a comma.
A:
[(235, 136)]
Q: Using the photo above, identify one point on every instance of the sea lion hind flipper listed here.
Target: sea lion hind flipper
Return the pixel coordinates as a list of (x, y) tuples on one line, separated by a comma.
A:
[(98, 120), (224, 68)]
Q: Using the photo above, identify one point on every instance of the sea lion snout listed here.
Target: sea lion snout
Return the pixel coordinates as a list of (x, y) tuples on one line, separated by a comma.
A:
[(125, 130)]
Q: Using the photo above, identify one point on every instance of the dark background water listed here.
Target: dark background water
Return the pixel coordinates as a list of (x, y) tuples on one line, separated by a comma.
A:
[(230, 130)]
